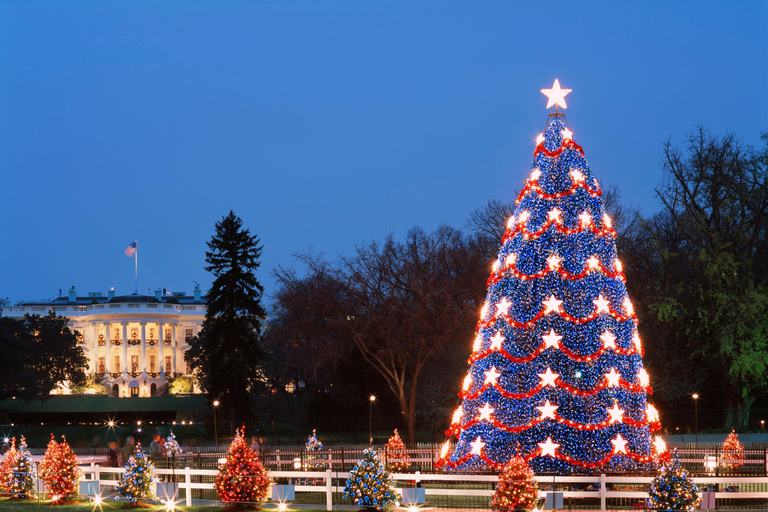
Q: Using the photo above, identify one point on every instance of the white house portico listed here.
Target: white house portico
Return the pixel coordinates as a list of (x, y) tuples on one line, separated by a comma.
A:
[(134, 343)]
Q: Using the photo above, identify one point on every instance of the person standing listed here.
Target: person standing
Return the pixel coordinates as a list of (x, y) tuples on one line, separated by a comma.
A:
[(128, 449), (112, 454)]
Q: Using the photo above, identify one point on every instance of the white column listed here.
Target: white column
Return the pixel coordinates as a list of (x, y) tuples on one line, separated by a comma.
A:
[(173, 349), (160, 344), (143, 362), (108, 337), (125, 347), (94, 359)]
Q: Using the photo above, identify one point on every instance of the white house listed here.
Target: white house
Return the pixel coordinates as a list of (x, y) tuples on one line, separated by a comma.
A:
[(135, 342)]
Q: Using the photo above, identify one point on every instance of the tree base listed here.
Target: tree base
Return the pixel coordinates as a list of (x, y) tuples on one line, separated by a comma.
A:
[(138, 504), (241, 506), (66, 501), (369, 509)]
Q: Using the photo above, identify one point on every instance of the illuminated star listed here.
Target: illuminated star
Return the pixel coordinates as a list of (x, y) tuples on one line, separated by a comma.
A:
[(511, 259), (491, 376), (552, 339), (642, 376), (618, 265), (484, 311), (619, 444), (485, 412), (467, 382), (659, 445), (496, 265), (548, 447), (602, 304), (535, 174), (511, 221), (585, 218), (547, 410), (477, 446), (567, 134), (606, 220), (540, 138), (548, 378), (556, 95), (502, 307), (637, 342), (554, 214), (496, 341), (613, 378), (477, 344), (617, 415), (552, 304), (457, 415), (651, 414), (609, 340), (593, 262), (628, 306), (554, 261), (577, 175)]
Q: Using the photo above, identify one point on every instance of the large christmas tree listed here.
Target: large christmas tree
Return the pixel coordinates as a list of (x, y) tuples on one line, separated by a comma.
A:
[(556, 371), (242, 480)]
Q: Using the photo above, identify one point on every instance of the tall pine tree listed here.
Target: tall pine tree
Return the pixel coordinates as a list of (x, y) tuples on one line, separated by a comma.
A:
[(226, 352)]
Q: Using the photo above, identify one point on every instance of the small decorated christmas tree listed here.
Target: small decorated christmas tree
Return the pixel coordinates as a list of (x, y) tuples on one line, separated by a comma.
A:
[(242, 480), (171, 445), (733, 452), (312, 449), (672, 489), (20, 483), (139, 479), (397, 457), (6, 469), (369, 484), (516, 489), (60, 472)]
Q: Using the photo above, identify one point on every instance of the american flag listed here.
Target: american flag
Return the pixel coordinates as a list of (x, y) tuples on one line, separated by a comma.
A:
[(130, 250)]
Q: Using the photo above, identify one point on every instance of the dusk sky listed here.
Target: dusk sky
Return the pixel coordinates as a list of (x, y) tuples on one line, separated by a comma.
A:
[(328, 124)]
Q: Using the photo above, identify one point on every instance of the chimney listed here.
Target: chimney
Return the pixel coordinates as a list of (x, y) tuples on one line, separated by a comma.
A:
[(72, 295), (111, 293), (198, 293), (158, 294)]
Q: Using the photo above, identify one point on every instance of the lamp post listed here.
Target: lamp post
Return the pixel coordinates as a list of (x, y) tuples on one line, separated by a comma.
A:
[(370, 419), (215, 426), (695, 397)]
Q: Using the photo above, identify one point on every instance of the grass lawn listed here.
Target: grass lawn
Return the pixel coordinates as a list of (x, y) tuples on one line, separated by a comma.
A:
[(106, 506)]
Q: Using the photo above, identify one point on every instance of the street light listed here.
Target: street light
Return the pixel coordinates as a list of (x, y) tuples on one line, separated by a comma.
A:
[(215, 427), (696, 417), (370, 419)]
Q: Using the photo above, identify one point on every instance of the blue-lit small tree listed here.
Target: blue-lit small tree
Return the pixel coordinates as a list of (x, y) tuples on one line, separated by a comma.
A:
[(556, 370), (369, 485), (672, 489)]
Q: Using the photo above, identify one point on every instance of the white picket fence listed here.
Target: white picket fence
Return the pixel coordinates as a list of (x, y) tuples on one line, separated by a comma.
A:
[(448, 485)]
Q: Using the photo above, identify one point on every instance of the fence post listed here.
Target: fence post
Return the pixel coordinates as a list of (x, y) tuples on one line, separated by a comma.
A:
[(765, 466), (188, 487), (277, 460), (602, 492), (97, 477), (328, 490)]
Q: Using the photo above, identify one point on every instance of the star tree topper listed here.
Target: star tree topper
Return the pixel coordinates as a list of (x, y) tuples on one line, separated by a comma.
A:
[(556, 95)]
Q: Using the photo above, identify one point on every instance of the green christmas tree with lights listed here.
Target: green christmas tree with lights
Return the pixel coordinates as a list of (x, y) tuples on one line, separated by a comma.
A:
[(672, 489), (60, 472), (139, 479), (369, 485), (242, 480), (19, 473)]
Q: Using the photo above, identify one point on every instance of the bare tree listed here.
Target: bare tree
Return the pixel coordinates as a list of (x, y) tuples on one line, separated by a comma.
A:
[(401, 303)]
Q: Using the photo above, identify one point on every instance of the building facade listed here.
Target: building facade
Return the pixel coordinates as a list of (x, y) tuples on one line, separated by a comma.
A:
[(135, 344)]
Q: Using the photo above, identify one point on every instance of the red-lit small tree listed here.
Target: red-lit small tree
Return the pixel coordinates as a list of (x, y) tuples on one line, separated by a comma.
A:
[(516, 488), (6, 468), (242, 481), (397, 457), (59, 471), (733, 452)]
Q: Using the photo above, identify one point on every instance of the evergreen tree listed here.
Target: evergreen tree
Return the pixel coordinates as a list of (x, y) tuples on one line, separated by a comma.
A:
[(312, 455), (242, 480), (516, 488), (397, 456), (171, 445), (733, 452), (60, 472), (139, 480), (556, 367), (369, 484), (226, 352), (6, 469), (672, 489), (20, 483)]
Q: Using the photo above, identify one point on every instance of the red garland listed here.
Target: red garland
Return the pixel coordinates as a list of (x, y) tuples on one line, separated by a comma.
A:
[(567, 144), (466, 395), (510, 233), (495, 277), (534, 185), (482, 324)]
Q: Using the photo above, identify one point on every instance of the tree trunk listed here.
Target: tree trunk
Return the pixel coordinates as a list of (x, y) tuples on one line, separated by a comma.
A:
[(745, 406)]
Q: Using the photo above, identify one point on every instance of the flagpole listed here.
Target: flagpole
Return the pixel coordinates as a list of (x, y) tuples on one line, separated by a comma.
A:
[(136, 270)]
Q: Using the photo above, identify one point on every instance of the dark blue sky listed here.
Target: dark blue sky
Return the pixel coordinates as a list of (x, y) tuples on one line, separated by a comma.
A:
[(326, 124)]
